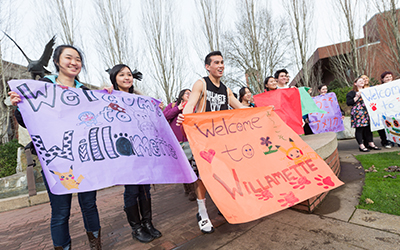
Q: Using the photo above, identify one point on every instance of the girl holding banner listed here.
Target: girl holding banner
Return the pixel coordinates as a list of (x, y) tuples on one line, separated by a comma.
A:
[(68, 62), (386, 76), (359, 117), (135, 196), (171, 113), (270, 83), (245, 97)]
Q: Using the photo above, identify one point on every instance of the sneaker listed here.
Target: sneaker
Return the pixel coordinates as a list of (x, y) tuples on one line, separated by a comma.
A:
[(388, 146), (204, 224)]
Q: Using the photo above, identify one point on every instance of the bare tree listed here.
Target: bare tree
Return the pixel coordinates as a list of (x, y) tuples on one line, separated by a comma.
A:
[(301, 29), (63, 19), (346, 64), (6, 19), (352, 58), (256, 46), (391, 33), (162, 39), (113, 35), (210, 19), (64, 16)]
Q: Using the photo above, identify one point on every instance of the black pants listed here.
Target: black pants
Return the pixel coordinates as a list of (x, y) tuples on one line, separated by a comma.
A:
[(364, 135), (307, 129), (382, 135)]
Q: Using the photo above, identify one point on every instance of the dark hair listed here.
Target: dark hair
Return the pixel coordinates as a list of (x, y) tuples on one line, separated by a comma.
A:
[(59, 50), (276, 75), (113, 75), (242, 92), (180, 96), (208, 57), (266, 82), (320, 86), (384, 74)]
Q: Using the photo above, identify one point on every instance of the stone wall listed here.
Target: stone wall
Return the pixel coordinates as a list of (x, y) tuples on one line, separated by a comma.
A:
[(348, 132), (325, 145)]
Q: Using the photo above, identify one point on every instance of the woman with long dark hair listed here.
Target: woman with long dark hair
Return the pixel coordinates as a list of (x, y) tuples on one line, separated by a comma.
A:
[(245, 97), (68, 61), (137, 199), (270, 83), (171, 113)]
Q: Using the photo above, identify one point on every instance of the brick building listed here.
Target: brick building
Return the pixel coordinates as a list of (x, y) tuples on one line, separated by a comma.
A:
[(377, 49)]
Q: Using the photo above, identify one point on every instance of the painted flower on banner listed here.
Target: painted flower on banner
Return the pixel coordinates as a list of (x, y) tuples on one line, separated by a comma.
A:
[(265, 141)]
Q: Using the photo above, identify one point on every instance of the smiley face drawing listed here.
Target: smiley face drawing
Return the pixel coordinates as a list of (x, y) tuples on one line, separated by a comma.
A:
[(248, 151)]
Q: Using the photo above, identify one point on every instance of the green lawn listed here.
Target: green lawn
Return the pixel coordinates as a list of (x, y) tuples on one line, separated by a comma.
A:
[(384, 192)]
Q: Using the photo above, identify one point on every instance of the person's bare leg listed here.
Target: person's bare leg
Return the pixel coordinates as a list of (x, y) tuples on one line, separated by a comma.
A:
[(200, 190)]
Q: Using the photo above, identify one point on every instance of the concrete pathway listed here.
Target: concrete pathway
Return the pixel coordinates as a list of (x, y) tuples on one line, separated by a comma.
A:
[(336, 224)]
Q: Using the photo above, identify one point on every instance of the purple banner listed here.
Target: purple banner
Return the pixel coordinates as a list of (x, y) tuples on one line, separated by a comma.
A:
[(329, 122), (88, 140)]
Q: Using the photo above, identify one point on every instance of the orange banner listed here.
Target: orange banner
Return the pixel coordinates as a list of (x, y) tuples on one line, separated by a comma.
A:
[(253, 164)]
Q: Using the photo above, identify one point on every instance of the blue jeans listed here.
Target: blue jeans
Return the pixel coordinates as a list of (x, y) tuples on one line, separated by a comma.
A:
[(133, 193), (60, 212)]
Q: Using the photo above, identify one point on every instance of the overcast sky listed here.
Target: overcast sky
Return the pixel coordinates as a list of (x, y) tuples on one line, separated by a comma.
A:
[(25, 30)]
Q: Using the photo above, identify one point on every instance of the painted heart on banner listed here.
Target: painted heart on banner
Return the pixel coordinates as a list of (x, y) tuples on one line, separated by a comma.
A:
[(208, 155)]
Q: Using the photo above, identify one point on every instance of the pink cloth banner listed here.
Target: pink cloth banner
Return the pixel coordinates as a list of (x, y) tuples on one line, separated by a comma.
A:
[(89, 139), (286, 104), (329, 122)]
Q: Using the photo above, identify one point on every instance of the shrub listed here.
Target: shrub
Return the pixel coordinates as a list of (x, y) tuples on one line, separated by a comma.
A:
[(373, 82), (336, 84), (8, 158)]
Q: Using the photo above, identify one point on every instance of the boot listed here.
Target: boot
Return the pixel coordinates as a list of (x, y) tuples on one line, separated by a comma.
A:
[(145, 210), (192, 194), (63, 248), (94, 243), (138, 232)]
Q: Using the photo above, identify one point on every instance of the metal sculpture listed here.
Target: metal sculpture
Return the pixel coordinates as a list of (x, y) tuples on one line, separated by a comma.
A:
[(38, 67)]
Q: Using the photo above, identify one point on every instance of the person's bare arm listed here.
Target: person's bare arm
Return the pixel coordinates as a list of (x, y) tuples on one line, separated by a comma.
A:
[(193, 99), (233, 102)]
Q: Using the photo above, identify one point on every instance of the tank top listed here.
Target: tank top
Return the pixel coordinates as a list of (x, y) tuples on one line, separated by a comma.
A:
[(217, 97)]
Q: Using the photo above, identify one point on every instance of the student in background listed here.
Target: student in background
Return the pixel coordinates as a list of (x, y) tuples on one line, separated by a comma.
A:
[(360, 118), (245, 97), (281, 78), (270, 83), (171, 113), (386, 77)]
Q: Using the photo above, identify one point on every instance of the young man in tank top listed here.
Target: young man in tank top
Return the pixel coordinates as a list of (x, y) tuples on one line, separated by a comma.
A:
[(209, 94)]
